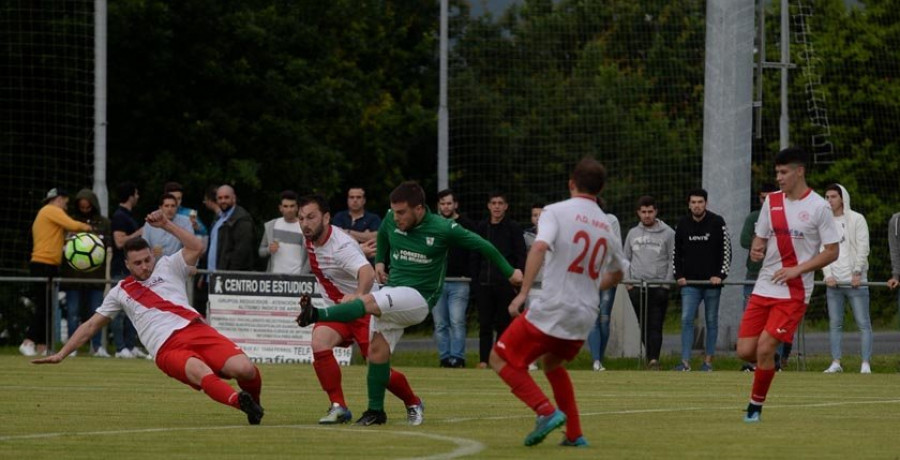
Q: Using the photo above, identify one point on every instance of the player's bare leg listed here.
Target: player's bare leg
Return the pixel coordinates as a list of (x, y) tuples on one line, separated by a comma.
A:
[(524, 387), (762, 349), (202, 376)]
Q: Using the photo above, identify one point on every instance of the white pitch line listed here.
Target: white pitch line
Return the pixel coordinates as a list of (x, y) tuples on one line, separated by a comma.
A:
[(679, 409), (464, 446)]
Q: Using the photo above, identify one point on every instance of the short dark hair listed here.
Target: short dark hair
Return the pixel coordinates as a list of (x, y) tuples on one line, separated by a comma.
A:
[(589, 176), (537, 205), (125, 190), (445, 193), (289, 195), (167, 196), (792, 155), (646, 200), (496, 194), (698, 192), (317, 199), (409, 192), (211, 192), (836, 188), (135, 244), (172, 187)]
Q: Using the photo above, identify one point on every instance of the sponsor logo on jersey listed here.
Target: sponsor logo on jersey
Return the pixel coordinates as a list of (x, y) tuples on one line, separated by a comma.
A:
[(429, 240), (781, 331)]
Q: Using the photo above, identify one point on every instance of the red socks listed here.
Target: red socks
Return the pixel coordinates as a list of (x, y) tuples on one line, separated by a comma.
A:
[(762, 380), (328, 372), (564, 394), (252, 386), (398, 385), (522, 385), (218, 390)]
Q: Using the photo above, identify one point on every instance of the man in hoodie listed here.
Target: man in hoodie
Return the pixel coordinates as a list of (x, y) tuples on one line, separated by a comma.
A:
[(844, 278), (493, 292), (649, 247), (84, 296), (702, 253), (894, 244)]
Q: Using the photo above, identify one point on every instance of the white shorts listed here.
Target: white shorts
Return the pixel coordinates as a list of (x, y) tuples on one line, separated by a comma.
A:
[(400, 307)]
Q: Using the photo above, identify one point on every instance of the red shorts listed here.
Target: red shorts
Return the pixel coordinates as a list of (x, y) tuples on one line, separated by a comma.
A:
[(197, 340), (778, 317), (522, 343), (356, 330)]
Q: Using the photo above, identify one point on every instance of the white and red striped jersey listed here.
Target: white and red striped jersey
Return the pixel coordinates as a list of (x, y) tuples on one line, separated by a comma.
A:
[(336, 264), (582, 248), (158, 306), (795, 230)]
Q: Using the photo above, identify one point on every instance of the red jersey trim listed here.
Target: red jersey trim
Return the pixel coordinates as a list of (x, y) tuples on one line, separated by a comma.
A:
[(331, 290), (785, 243), (149, 299)]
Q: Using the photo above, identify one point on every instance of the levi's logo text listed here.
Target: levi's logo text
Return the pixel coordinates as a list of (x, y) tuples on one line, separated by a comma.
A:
[(704, 237)]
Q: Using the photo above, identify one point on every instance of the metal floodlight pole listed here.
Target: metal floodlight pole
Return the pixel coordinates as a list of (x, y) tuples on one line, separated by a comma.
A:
[(443, 113), (784, 136), (100, 40)]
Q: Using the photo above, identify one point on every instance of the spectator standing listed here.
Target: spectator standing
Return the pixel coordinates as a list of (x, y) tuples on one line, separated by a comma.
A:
[(449, 312), (702, 252), (845, 277), (231, 237), (599, 336), (282, 241), (894, 244), (493, 292), (649, 246), (48, 233), (201, 294), (362, 225), (163, 243), (124, 227), (175, 189), (81, 297)]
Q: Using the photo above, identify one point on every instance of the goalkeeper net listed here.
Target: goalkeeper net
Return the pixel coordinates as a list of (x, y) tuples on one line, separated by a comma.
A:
[(46, 112)]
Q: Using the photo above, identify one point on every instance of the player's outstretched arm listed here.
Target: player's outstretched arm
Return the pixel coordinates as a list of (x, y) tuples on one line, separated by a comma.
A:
[(533, 265), (193, 246), (79, 338)]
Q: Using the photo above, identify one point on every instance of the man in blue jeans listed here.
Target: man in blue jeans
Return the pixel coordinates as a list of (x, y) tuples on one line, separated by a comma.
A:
[(702, 253), (449, 312)]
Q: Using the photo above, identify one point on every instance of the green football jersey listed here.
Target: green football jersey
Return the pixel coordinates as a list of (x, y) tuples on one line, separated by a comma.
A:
[(418, 258)]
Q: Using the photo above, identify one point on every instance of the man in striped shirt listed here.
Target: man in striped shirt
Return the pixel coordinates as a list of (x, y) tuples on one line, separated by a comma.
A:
[(186, 348)]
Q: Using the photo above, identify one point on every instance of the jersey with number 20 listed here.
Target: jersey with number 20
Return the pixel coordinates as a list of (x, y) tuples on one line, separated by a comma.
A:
[(582, 248)]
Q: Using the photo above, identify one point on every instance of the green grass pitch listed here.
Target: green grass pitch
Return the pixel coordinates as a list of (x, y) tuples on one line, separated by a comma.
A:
[(96, 408)]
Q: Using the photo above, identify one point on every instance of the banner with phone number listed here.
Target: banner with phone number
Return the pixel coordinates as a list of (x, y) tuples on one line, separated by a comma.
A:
[(257, 311)]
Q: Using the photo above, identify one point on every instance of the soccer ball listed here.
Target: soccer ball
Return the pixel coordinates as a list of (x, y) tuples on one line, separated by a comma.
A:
[(84, 252)]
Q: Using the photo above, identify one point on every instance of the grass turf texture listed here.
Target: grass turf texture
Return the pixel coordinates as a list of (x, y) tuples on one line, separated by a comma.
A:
[(89, 407)]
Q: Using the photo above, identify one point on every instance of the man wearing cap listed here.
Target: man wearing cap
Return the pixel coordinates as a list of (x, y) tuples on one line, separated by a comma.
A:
[(48, 234)]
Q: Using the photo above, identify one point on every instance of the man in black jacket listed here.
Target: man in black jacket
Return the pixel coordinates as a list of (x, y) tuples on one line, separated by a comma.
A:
[(702, 253), (231, 244), (449, 312), (493, 293)]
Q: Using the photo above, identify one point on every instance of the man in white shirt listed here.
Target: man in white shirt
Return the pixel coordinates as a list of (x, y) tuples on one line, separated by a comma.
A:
[(342, 274), (186, 348), (282, 240), (793, 224), (583, 257)]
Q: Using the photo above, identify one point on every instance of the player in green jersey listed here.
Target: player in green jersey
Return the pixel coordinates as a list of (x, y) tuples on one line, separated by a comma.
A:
[(413, 242)]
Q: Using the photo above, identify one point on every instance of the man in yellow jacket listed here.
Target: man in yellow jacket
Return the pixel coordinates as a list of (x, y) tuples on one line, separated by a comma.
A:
[(48, 233)]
